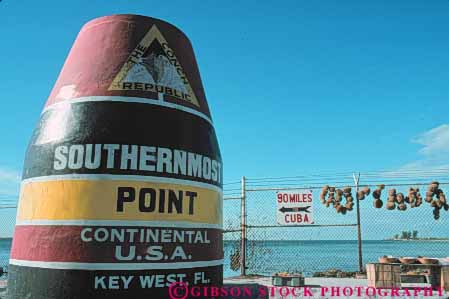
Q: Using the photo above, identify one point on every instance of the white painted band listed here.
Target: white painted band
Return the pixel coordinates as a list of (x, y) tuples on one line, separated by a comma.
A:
[(129, 100), (118, 223), (115, 177), (114, 266)]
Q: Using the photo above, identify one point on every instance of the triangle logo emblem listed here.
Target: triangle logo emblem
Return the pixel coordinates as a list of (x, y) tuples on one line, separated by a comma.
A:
[(153, 66)]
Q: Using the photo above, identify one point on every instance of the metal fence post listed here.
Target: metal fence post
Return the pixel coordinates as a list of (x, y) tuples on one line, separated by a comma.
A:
[(359, 231), (243, 228)]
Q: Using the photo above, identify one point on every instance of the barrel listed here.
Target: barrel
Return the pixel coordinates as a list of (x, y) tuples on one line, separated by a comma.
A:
[(121, 194)]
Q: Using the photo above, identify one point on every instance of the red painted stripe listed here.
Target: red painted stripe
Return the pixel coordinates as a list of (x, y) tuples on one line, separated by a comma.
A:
[(102, 48), (64, 244)]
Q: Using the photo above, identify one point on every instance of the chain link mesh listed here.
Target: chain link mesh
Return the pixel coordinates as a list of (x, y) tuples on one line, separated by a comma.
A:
[(331, 243), (8, 220), (232, 237)]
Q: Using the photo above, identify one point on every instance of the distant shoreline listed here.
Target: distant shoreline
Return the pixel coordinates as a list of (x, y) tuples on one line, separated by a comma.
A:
[(420, 239)]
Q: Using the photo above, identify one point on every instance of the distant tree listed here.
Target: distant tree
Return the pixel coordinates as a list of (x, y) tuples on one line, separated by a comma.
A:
[(396, 236), (404, 235), (409, 235), (415, 234)]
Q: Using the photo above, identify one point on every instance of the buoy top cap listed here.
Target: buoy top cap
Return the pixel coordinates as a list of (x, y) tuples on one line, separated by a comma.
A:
[(128, 18), (132, 57)]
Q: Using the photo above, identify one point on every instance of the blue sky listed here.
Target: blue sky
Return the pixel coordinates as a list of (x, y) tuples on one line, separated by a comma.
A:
[(294, 86)]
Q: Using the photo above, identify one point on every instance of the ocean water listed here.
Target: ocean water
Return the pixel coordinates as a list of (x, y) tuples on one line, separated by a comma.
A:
[(267, 257)]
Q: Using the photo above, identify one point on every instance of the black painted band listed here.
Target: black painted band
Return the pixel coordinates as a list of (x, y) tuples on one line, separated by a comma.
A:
[(40, 283), (103, 123)]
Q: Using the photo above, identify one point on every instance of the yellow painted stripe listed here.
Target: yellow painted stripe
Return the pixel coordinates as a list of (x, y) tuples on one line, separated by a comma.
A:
[(97, 200)]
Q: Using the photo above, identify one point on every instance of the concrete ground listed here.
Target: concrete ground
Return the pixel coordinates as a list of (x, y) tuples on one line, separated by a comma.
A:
[(322, 288), (3, 284)]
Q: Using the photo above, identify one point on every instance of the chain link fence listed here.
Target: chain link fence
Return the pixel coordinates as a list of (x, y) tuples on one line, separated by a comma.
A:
[(274, 248), (332, 241), (232, 234), (7, 221)]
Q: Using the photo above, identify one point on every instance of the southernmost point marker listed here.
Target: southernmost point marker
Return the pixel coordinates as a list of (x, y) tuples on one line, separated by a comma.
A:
[(122, 183)]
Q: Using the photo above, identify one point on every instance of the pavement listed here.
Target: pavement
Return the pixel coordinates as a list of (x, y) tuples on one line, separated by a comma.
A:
[(3, 284), (332, 288), (315, 287)]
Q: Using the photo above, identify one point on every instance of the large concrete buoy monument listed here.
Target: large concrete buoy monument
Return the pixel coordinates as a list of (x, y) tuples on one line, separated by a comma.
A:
[(122, 183)]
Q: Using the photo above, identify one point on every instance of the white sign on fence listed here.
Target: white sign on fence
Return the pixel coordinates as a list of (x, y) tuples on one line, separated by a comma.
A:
[(294, 207)]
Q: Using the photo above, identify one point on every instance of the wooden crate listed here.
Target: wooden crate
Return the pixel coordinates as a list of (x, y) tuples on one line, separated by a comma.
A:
[(384, 275), (444, 284)]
